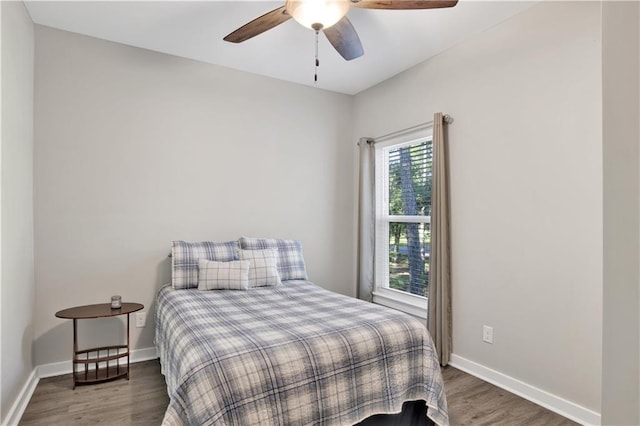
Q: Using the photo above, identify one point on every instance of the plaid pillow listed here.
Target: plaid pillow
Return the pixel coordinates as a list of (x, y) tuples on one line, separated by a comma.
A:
[(232, 275), (290, 258), (263, 271), (185, 256)]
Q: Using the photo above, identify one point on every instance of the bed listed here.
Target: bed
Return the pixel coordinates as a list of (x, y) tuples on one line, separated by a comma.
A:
[(291, 354)]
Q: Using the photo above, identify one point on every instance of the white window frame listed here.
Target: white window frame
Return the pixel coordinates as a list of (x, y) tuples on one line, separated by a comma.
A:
[(410, 303)]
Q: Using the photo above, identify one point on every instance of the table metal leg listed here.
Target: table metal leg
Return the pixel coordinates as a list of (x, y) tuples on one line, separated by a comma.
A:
[(128, 348), (75, 351)]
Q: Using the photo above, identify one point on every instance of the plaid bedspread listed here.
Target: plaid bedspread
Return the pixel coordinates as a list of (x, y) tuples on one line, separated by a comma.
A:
[(294, 354)]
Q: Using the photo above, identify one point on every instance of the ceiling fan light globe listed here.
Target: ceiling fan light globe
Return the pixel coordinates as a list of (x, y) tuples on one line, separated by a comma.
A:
[(310, 13)]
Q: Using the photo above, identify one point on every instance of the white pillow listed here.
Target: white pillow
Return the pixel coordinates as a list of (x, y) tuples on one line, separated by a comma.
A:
[(290, 258), (233, 275), (264, 266)]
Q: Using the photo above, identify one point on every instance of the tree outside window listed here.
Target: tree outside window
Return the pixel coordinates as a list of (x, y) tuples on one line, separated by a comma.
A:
[(409, 179)]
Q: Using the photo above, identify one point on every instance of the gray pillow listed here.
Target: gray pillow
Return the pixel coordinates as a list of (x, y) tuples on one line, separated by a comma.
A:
[(185, 256)]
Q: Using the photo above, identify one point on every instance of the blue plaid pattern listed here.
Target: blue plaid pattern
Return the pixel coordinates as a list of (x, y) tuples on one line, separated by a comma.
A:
[(233, 275), (293, 354), (185, 256), (263, 270), (290, 257)]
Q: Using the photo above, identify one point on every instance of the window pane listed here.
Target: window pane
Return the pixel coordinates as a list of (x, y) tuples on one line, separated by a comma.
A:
[(410, 176), (409, 248)]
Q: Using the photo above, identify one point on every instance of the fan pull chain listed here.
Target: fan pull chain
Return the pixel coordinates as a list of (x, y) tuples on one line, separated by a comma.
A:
[(315, 77)]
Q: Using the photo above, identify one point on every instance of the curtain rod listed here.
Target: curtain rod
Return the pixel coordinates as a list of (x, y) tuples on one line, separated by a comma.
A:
[(446, 118)]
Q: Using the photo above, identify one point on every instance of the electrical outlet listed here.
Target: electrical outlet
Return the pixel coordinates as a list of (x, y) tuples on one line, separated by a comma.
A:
[(487, 334), (141, 319)]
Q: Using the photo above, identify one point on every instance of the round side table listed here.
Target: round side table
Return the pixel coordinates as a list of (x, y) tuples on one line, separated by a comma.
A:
[(103, 355)]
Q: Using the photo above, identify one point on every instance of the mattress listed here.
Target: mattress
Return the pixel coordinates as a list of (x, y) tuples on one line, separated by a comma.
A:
[(293, 354)]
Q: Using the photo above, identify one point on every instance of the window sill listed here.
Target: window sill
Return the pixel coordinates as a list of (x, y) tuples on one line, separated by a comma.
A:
[(409, 304)]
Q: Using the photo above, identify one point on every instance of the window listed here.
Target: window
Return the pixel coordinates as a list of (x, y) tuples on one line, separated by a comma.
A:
[(403, 208)]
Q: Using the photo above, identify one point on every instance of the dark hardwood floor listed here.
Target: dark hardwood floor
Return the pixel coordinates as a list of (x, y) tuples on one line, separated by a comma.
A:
[(474, 402), (140, 401), (143, 400)]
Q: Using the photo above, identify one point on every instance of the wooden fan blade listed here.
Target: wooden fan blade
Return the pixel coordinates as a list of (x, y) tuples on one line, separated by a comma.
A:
[(259, 25), (345, 39), (403, 4)]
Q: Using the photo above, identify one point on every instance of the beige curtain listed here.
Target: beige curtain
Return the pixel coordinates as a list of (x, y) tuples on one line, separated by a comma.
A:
[(439, 317), (366, 220)]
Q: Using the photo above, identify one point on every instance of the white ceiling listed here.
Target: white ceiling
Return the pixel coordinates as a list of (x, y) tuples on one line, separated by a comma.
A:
[(393, 40)]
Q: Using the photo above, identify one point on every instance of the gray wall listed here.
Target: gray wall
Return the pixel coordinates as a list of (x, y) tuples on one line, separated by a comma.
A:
[(134, 149), (526, 188), (621, 320), (17, 287)]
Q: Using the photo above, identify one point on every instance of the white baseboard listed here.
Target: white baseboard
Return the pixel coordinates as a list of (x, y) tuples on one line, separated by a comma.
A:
[(20, 404), (57, 369), (559, 405)]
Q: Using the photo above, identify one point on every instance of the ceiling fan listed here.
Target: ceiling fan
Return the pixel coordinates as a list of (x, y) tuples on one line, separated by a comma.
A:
[(329, 16)]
